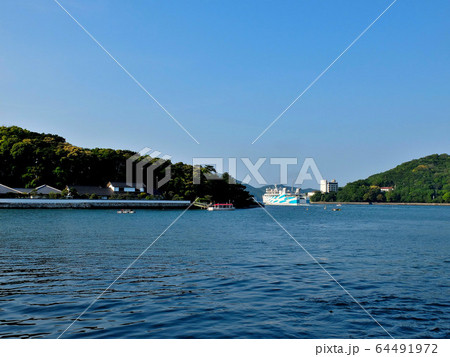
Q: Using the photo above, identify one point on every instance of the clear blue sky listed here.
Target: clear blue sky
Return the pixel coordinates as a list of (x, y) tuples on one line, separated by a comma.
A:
[(226, 69)]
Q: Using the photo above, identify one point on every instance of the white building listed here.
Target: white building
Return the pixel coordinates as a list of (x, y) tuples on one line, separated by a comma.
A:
[(326, 187), (386, 189), (323, 186), (123, 187)]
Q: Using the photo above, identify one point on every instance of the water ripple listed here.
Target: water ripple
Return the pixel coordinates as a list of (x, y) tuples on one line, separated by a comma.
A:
[(220, 276)]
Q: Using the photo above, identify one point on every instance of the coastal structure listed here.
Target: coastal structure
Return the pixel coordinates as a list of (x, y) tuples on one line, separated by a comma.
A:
[(101, 192), (386, 189), (5, 190), (327, 187), (112, 189), (284, 197), (92, 204), (123, 187), (39, 191), (106, 198)]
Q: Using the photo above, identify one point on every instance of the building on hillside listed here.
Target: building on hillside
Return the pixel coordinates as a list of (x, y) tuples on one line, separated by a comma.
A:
[(24, 191), (101, 192), (41, 190), (386, 189), (326, 187), (5, 190), (113, 188), (122, 187)]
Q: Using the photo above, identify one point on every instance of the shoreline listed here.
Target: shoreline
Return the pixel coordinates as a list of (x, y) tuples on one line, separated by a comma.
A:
[(381, 203), (91, 204)]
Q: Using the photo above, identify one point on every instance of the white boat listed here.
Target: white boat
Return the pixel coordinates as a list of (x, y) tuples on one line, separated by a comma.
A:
[(221, 207), (123, 211), (284, 197)]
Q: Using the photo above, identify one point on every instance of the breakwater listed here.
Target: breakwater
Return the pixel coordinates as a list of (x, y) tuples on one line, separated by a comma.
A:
[(91, 204)]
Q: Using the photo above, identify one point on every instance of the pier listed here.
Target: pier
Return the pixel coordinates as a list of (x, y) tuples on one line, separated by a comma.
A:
[(201, 205), (91, 204)]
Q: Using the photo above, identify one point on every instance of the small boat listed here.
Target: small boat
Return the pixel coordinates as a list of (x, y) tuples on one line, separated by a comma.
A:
[(339, 205), (125, 211), (336, 209), (221, 207)]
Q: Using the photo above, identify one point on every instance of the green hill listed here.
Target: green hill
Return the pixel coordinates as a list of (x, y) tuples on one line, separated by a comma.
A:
[(422, 180), (29, 159)]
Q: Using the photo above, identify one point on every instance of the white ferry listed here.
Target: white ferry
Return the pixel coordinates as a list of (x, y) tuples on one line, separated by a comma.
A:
[(284, 197)]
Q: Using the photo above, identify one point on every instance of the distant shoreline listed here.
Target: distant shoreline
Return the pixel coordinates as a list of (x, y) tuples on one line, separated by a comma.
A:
[(381, 203)]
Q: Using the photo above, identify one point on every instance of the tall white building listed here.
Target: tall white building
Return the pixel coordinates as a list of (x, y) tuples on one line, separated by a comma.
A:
[(323, 186), (326, 187)]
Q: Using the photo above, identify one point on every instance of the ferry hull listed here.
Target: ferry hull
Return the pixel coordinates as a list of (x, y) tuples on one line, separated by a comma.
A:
[(284, 200)]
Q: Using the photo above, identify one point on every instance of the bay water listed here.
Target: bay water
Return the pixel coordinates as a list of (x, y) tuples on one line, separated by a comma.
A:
[(226, 274)]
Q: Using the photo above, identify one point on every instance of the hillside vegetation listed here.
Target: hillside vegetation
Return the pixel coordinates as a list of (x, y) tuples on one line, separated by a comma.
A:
[(422, 180), (29, 159)]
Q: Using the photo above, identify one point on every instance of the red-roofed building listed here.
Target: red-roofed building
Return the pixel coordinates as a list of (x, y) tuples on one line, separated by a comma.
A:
[(386, 189)]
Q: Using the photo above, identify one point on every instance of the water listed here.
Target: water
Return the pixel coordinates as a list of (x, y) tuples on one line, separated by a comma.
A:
[(226, 274)]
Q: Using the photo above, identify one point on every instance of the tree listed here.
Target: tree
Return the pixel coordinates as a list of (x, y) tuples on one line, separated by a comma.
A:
[(317, 197), (446, 197), (371, 195), (381, 198), (329, 197), (54, 195), (142, 196), (30, 159)]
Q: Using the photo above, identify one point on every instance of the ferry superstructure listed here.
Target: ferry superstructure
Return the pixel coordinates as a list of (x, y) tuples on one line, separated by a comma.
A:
[(284, 197)]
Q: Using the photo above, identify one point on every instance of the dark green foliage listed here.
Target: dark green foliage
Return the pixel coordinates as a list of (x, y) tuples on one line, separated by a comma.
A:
[(372, 194), (446, 197), (182, 187), (29, 159), (54, 195), (317, 197), (422, 180), (324, 197)]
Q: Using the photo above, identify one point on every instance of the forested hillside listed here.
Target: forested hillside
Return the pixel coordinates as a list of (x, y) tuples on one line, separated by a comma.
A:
[(422, 180), (29, 159)]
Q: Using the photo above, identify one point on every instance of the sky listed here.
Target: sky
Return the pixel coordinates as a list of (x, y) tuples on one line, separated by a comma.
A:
[(225, 70)]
